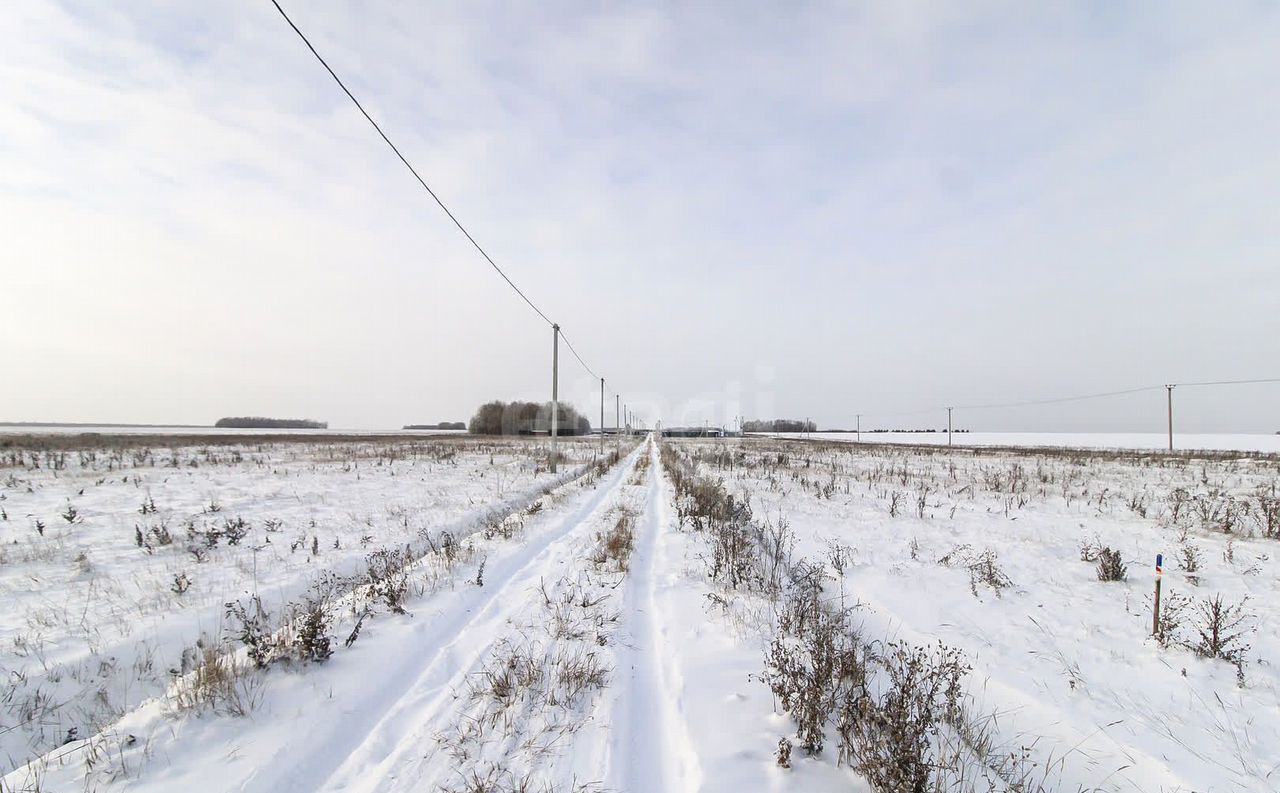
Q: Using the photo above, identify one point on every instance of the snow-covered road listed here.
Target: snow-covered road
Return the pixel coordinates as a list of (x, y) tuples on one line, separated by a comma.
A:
[(537, 664), (649, 746), (380, 743)]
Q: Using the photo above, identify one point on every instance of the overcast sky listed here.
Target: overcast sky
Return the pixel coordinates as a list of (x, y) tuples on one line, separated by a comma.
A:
[(758, 209)]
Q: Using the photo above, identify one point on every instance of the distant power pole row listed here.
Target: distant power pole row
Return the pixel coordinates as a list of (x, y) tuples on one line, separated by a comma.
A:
[(555, 328), (1168, 403)]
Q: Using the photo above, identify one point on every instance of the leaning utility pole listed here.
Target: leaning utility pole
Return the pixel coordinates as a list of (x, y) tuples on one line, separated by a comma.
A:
[(1169, 389), (555, 390)]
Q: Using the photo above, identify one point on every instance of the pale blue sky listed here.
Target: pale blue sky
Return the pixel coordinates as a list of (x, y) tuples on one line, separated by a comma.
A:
[(748, 208)]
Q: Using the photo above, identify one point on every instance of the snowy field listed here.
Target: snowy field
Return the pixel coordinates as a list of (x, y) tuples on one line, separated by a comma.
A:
[(107, 429), (998, 554), (116, 564), (1079, 440), (691, 615)]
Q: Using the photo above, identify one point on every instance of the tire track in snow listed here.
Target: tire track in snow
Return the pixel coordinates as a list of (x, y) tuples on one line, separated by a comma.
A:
[(649, 749), (370, 746)]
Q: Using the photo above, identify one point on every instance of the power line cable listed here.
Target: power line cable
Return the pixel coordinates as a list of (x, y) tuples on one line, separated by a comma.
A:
[(406, 162), (569, 344), (902, 413), (424, 184), (1231, 382), (1059, 399)]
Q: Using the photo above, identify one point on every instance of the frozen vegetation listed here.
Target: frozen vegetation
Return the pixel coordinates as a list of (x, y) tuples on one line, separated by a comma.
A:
[(985, 619), (120, 566), (717, 615)]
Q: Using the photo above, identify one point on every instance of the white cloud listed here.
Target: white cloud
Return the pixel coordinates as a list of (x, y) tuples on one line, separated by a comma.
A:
[(894, 204)]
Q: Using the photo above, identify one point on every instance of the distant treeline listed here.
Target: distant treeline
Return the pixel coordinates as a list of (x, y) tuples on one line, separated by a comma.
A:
[(259, 422), (526, 418), (924, 430), (778, 425), (902, 431), (444, 425)]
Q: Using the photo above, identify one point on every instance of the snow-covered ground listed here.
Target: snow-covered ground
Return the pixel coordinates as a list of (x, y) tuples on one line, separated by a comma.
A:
[(1066, 661), (114, 562), (162, 431), (631, 629), (1082, 440)]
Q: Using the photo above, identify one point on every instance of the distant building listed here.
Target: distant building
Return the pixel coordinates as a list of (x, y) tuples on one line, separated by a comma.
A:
[(698, 432), (542, 426)]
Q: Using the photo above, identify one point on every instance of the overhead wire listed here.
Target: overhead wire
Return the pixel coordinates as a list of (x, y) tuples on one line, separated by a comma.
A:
[(1058, 400), (405, 160), (569, 344), (1230, 382), (440, 202), (386, 139)]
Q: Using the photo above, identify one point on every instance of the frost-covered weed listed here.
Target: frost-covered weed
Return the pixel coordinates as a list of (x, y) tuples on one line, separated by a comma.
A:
[(1220, 629), (311, 640), (251, 624), (1111, 565), (983, 568), (388, 577)]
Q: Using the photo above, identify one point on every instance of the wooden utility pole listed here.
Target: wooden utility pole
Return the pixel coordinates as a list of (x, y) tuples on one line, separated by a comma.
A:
[(1169, 390), (555, 391)]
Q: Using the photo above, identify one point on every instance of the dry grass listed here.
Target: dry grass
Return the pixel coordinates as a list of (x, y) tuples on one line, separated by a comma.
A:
[(221, 683), (613, 547)]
